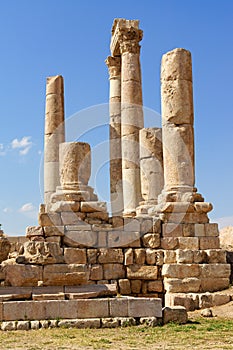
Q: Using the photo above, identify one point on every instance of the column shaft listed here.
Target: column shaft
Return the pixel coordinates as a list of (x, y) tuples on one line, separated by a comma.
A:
[(54, 134)]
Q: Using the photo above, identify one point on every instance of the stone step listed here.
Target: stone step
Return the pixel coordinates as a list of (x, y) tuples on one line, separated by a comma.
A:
[(195, 301), (80, 309)]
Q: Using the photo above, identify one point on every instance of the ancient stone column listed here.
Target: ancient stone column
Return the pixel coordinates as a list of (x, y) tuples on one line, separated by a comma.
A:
[(151, 165), (177, 125), (54, 134), (114, 67), (75, 165), (129, 36)]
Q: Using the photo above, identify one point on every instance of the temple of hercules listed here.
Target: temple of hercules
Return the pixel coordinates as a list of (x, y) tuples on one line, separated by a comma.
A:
[(156, 255)]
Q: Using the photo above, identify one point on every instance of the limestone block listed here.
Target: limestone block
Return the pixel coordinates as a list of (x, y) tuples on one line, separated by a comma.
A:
[(150, 256), (199, 230), (136, 286), (118, 307), (35, 325), (9, 326), (151, 240), (128, 259), (155, 286), (139, 256), (189, 243), (5, 247), (185, 285), (172, 230), (110, 323), (131, 224), (102, 239), (61, 274), (199, 257), (98, 215), (23, 326), (51, 219), (159, 257), (188, 230), (177, 314), (75, 256), (90, 207), (209, 243), (146, 226), (123, 239), (22, 275), (176, 64), (92, 256), (96, 272), (113, 271), (83, 226), (216, 256), (80, 324), (23, 310), (211, 230), (53, 239), (151, 143), (91, 291), (72, 218), (180, 271), (101, 227), (117, 222), (124, 285), (177, 101), (53, 231), (75, 163), (107, 256), (189, 301), (169, 243), (184, 256), (203, 207), (92, 308), (65, 206), (214, 284), (34, 231), (79, 239), (145, 307), (169, 257), (214, 271), (220, 299), (142, 272), (42, 253)]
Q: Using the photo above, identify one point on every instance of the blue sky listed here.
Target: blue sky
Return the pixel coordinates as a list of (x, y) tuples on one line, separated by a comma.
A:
[(71, 38)]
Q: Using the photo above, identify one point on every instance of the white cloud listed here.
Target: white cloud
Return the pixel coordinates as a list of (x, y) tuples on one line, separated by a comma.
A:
[(27, 207), (2, 150), (23, 145)]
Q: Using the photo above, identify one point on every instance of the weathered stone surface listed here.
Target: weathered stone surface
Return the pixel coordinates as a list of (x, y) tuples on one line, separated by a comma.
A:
[(96, 272), (61, 275), (92, 308), (128, 258), (35, 325), (185, 285), (169, 243), (150, 256), (155, 286), (34, 231), (23, 325), (75, 256), (124, 285), (180, 271), (53, 231), (142, 272), (189, 243), (113, 271), (51, 219), (72, 218), (214, 284), (4, 248), (131, 224), (199, 257), (136, 286), (139, 256), (215, 271), (42, 253), (9, 326), (22, 275), (145, 307), (91, 291), (123, 239), (176, 314), (80, 323), (170, 257), (110, 256), (209, 243), (184, 256), (110, 322), (79, 239), (172, 230), (90, 207), (65, 206), (216, 256), (151, 240)]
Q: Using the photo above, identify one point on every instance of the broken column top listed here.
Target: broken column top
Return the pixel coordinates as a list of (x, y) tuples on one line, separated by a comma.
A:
[(54, 85), (118, 25), (176, 64)]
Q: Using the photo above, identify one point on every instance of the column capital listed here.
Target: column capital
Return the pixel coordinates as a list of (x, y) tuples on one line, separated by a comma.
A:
[(114, 66), (129, 38)]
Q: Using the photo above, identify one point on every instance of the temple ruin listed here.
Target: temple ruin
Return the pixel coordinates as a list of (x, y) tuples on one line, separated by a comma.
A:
[(157, 248)]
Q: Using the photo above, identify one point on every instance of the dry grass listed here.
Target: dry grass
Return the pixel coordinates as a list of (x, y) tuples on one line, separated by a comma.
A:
[(196, 335)]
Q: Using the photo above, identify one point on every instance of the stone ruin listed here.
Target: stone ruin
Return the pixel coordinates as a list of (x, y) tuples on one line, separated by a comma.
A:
[(157, 249)]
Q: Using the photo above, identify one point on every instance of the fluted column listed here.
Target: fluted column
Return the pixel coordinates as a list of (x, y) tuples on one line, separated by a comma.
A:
[(114, 67), (131, 115), (54, 134)]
